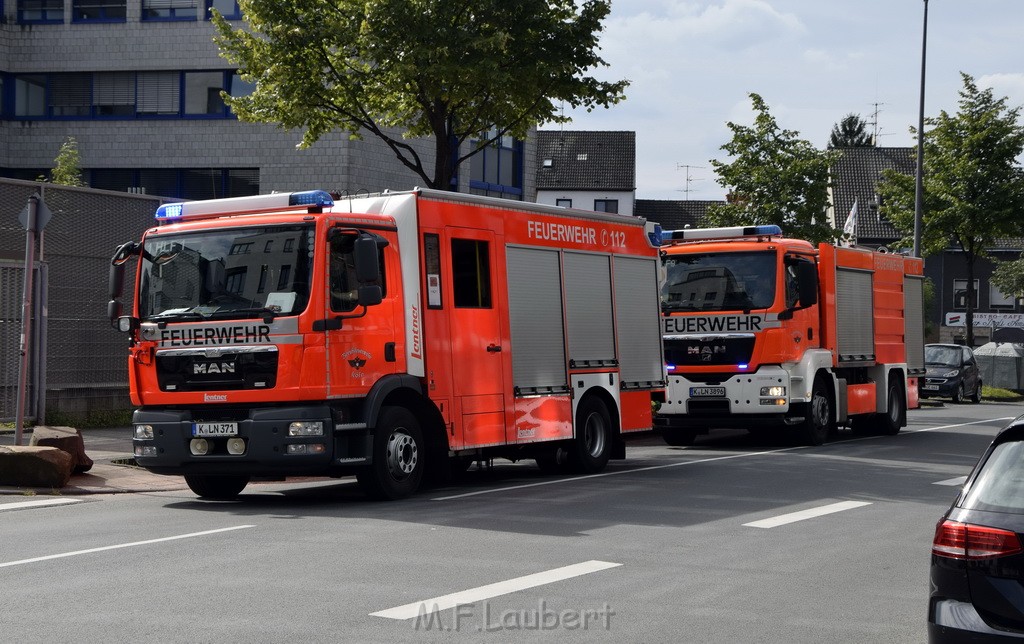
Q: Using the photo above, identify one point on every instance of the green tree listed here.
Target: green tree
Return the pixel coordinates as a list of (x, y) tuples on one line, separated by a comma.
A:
[(774, 178), (461, 72), (851, 132), (973, 192), (66, 169), (1008, 277)]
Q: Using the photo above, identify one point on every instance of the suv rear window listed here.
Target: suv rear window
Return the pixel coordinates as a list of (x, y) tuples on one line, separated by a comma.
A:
[(1000, 485)]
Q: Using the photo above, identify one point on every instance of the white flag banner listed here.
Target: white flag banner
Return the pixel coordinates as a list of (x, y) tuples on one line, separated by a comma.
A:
[(850, 227)]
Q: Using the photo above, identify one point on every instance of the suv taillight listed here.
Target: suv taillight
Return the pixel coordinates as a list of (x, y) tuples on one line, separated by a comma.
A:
[(965, 541)]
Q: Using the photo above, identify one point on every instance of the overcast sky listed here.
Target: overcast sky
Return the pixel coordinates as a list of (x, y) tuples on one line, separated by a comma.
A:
[(692, 65)]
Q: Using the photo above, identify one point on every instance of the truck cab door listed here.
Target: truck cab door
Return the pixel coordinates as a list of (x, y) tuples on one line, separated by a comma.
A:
[(479, 352)]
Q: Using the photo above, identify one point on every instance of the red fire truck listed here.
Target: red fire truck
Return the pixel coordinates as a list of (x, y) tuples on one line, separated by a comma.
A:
[(386, 336), (765, 331)]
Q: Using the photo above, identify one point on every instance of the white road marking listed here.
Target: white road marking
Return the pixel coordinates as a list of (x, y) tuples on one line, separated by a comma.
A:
[(123, 545), (427, 606), (38, 503), (573, 479), (960, 480), (793, 517)]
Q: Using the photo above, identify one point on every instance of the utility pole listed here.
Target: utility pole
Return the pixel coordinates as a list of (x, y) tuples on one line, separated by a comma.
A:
[(919, 176), (34, 218)]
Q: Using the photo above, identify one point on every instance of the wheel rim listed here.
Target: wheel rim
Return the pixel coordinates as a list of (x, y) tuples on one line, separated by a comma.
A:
[(402, 455), (594, 435)]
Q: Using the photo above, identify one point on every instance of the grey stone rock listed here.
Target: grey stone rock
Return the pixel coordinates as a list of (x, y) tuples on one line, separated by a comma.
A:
[(67, 439), (35, 466)]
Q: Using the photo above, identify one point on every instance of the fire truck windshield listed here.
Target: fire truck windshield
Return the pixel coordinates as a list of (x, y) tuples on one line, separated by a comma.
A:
[(719, 281), (226, 273)]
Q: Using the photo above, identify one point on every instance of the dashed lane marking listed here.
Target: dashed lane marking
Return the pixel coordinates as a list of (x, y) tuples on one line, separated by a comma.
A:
[(802, 515), (960, 480), (38, 503)]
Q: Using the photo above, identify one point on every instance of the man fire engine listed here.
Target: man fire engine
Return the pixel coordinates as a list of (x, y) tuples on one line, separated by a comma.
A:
[(765, 331), (385, 336)]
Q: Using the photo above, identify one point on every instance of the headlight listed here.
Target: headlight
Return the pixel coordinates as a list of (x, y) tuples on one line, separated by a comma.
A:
[(952, 373), (306, 428), (144, 432), (777, 390)]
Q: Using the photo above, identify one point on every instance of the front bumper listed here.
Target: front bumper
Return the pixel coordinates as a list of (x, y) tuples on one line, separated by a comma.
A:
[(264, 431)]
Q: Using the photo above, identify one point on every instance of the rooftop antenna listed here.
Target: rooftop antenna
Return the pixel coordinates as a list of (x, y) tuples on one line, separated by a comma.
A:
[(876, 131), (689, 178)]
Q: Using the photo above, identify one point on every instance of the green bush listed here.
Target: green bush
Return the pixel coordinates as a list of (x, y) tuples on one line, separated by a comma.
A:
[(92, 419), (1000, 395)]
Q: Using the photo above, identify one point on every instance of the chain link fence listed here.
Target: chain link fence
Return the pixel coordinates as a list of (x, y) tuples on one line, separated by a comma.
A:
[(85, 359)]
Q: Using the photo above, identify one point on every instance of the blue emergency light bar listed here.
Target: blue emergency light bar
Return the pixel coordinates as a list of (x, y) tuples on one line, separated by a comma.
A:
[(169, 212), (692, 234)]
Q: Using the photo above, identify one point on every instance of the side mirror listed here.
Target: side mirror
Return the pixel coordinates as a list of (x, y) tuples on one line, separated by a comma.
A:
[(365, 254), (370, 295), (807, 283), (115, 280), (114, 311)]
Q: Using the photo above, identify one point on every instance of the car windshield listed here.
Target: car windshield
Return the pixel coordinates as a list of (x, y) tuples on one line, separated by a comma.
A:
[(942, 356), (718, 281), (226, 273), (1000, 485)]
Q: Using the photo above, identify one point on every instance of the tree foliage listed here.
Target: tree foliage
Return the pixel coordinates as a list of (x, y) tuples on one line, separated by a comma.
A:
[(66, 167), (851, 132), (973, 192), (460, 71), (774, 178)]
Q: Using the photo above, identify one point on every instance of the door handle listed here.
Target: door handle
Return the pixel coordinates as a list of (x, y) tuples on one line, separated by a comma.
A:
[(493, 348)]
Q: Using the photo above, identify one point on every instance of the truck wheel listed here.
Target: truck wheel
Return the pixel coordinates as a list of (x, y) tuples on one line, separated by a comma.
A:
[(976, 396), (398, 456), (218, 488), (892, 420), (678, 437), (591, 448), (818, 421)]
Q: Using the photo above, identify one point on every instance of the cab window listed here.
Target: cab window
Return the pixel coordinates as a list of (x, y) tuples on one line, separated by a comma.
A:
[(344, 286)]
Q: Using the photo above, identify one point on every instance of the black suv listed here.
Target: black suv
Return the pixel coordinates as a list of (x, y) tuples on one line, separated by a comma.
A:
[(952, 373)]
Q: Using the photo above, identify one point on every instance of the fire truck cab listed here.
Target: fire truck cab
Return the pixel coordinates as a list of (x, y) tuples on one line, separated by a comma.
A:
[(391, 336)]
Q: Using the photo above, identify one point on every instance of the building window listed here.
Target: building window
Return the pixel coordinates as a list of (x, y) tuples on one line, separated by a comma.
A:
[(179, 183), (98, 10), (169, 9), (998, 300), (241, 248), (606, 205), (284, 281), (70, 94), (202, 93), (564, 203), (235, 282), (30, 95), (289, 244), (960, 295), (497, 170), (227, 8), (113, 94), (158, 93), (40, 11)]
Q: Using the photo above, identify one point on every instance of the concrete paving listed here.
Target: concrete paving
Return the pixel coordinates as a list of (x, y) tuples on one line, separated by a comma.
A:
[(111, 473)]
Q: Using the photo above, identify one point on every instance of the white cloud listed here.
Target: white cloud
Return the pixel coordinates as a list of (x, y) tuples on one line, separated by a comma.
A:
[(1009, 85)]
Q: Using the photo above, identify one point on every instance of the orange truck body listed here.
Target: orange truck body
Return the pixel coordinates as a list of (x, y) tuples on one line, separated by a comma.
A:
[(743, 351), (502, 329)]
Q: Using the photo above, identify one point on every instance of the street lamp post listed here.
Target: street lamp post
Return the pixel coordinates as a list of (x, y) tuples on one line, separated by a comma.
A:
[(919, 176)]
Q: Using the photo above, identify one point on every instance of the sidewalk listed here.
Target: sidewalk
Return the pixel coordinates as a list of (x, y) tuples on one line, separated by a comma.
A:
[(108, 448)]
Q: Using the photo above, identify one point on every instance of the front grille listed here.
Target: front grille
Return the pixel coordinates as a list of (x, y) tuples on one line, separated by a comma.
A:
[(226, 370), (710, 350)]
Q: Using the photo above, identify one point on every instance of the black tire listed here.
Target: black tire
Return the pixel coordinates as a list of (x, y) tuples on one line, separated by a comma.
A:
[(678, 437), (591, 447), (818, 419), (398, 456), (217, 488), (895, 414), (958, 395), (556, 461), (976, 396)]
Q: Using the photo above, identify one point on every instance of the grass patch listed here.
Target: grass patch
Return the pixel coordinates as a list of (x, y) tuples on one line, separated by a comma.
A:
[(1000, 395)]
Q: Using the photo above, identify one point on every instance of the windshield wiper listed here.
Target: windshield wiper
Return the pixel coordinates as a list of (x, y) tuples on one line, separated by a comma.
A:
[(266, 313), (176, 316)]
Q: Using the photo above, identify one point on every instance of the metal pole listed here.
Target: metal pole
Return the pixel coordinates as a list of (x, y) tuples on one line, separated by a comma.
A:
[(919, 178), (26, 315)]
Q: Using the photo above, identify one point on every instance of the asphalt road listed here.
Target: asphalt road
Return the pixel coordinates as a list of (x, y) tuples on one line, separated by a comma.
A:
[(731, 540)]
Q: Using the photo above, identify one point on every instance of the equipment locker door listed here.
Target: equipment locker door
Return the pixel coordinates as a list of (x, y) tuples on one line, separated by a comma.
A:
[(478, 352)]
